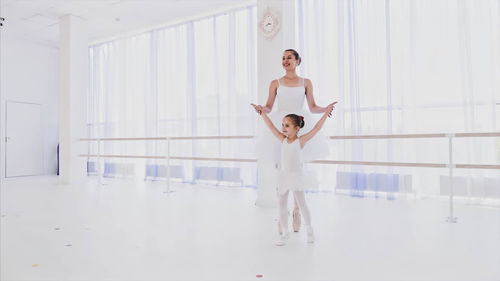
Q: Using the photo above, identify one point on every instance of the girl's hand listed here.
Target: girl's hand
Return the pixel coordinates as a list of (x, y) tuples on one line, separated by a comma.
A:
[(258, 108), (330, 108)]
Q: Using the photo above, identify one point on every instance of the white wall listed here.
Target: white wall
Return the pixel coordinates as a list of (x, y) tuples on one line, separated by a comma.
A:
[(269, 53), (73, 86), (30, 73)]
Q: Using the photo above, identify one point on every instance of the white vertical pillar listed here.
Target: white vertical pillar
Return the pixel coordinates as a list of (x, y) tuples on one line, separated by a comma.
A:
[(72, 99), (269, 53)]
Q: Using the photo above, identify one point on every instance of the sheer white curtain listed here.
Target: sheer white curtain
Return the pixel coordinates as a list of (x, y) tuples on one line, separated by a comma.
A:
[(192, 79), (405, 67)]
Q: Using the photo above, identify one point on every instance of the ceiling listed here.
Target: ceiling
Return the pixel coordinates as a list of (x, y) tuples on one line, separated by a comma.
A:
[(37, 20)]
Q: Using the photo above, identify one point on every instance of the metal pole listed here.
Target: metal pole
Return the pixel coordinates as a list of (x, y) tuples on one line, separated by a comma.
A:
[(98, 162), (168, 167), (451, 218)]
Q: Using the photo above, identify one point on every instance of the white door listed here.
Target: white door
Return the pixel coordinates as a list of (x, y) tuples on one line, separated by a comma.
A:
[(24, 142)]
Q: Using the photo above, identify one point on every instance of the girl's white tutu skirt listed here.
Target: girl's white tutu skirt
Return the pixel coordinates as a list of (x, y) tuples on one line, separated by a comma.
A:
[(295, 181), (268, 147)]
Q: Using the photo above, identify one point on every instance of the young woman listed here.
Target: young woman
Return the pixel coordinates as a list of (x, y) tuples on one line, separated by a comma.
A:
[(290, 92)]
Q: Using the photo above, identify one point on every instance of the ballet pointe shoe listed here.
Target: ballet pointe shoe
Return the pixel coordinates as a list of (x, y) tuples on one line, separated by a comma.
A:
[(296, 220)]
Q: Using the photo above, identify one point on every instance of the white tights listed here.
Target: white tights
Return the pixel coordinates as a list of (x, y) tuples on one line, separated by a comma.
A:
[(301, 201)]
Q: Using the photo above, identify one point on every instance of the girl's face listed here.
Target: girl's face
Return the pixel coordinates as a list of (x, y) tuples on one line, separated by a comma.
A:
[(289, 62), (288, 128)]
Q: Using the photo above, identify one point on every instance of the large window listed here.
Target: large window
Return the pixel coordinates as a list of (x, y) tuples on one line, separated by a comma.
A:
[(405, 67), (192, 79), (393, 66)]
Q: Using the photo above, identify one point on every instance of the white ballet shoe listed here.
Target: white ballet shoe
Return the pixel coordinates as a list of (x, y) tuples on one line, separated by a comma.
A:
[(282, 240), (310, 234)]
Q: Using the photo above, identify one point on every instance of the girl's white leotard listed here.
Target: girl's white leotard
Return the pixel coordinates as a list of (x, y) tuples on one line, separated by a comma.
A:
[(290, 100), (291, 174)]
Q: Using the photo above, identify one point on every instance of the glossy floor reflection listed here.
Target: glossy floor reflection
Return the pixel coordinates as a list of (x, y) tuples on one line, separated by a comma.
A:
[(133, 231)]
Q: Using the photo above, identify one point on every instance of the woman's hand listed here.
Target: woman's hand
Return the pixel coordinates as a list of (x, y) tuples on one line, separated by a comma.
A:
[(258, 108), (330, 108)]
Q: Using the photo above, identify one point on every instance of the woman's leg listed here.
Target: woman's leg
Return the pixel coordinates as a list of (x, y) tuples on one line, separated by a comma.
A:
[(301, 200)]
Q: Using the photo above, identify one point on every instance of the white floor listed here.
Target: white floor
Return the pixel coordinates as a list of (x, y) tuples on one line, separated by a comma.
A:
[(127, 231)]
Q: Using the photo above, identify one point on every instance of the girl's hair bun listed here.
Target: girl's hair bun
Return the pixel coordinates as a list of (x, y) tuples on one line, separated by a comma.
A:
[(296, 120)]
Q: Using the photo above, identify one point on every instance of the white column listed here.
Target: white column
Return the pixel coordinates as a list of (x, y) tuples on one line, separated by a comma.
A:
[(73, 76), (269, 53)]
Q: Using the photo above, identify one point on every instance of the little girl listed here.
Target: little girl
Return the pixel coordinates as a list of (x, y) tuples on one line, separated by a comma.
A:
[(291, 174)]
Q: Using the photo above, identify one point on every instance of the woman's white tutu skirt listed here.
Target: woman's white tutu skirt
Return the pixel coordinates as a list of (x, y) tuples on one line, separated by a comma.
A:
[(268, 147), (296, 181)]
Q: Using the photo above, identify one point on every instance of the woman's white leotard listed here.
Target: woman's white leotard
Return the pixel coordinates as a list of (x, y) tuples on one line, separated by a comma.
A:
[(290, 100)]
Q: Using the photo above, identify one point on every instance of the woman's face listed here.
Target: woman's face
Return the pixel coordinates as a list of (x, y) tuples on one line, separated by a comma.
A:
[(289, 62)]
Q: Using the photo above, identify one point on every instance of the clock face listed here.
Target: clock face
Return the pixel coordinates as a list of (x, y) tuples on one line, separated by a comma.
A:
[(269, 24)]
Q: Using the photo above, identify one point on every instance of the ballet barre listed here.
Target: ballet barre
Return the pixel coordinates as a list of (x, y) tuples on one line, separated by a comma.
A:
[(167, 157), (450, 165), (172, 157)]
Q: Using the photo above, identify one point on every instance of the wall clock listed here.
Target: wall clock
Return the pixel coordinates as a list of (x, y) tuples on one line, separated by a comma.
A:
[(269, 24)]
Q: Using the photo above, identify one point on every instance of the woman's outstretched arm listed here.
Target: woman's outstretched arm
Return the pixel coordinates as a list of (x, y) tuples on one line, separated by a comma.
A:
[(270, 125), (307, 136), (313, 107), (270, 99)]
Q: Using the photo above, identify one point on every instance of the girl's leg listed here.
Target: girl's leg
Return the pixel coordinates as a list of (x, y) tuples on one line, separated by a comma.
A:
[(284, 211), (283, 198), (300, 198), (296, 215)]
